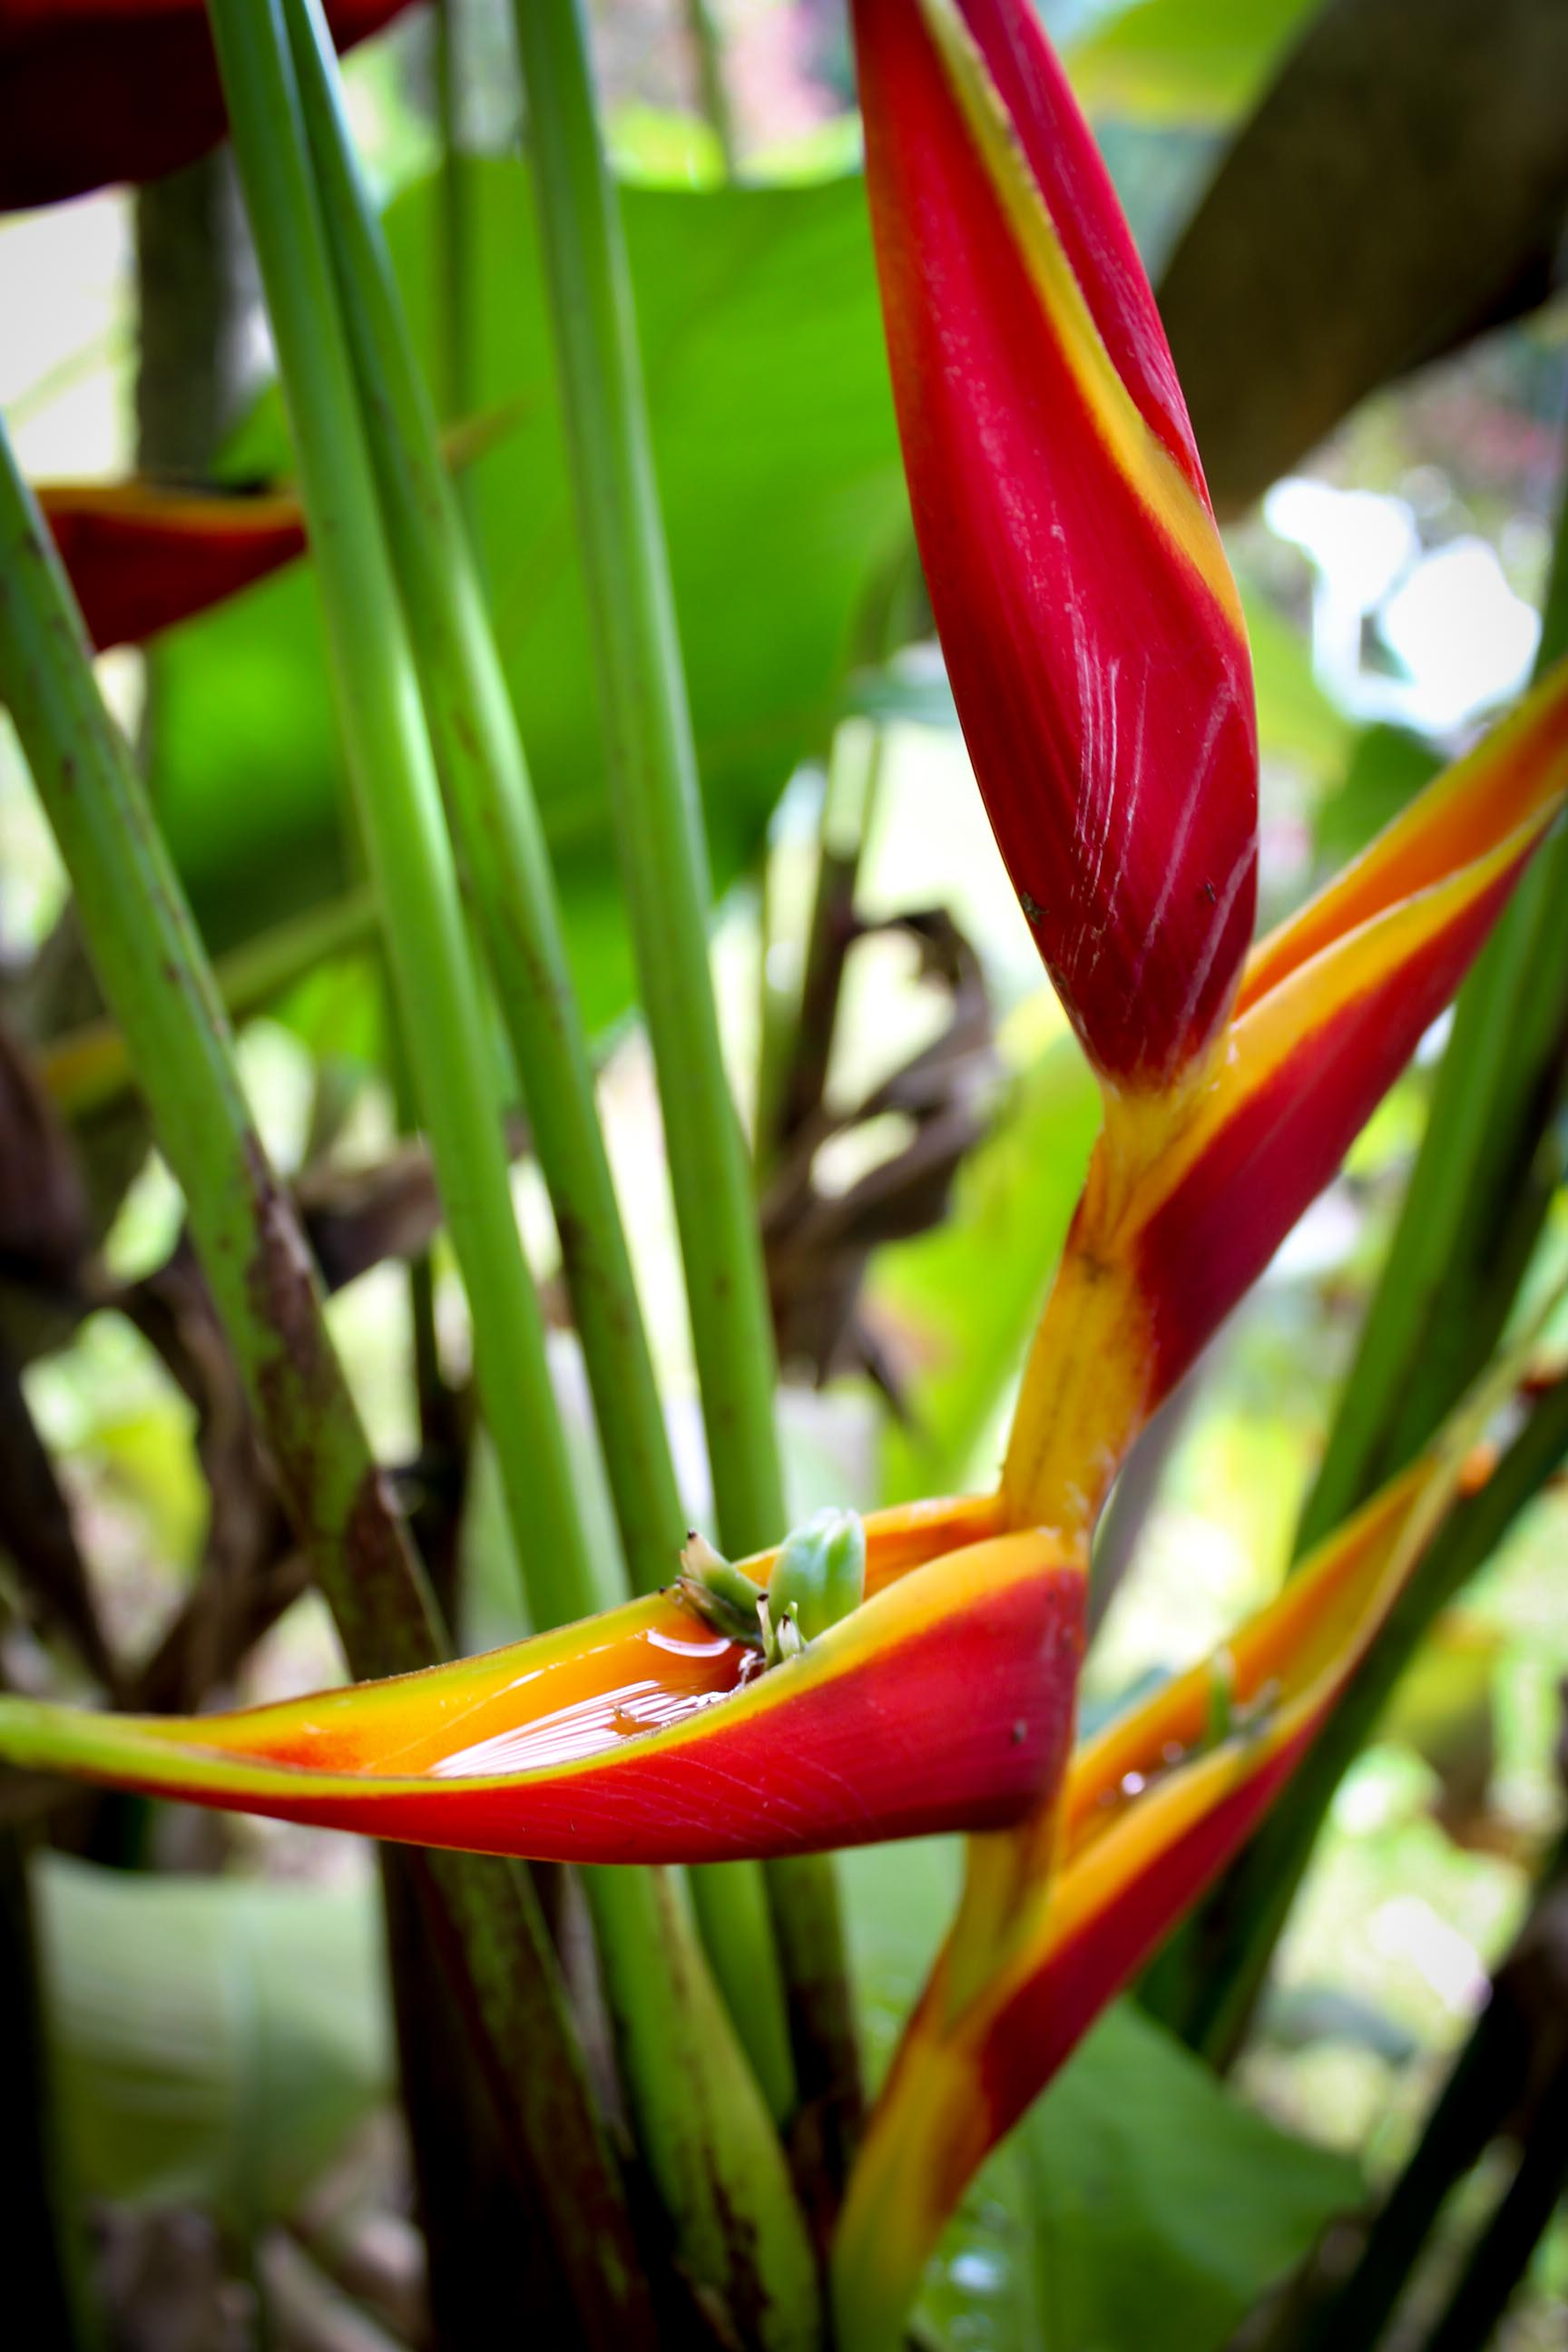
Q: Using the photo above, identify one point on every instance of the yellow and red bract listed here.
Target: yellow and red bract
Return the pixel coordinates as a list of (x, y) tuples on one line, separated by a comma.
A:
[(646, 1735), (142, 556), (1154, 1809), (1094, 640)]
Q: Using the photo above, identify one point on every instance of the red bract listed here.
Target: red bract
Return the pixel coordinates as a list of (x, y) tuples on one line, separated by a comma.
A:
[(98, 90), (1153, 1810), (141, 558), (1091, 628), (645, 1736)]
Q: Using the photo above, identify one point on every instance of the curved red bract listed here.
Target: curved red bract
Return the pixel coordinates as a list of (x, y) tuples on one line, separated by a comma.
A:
[(140, 558)]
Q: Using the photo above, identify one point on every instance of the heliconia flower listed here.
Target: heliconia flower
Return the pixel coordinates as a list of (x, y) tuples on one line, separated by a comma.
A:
[(1091, 628), (1179, 1218), (1154, 1808), (141, 557), (97, 90), (647, 1735)]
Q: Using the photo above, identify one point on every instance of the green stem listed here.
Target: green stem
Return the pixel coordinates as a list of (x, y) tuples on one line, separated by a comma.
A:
[(700, 2119), (455, 228), (398, 801), (496, 820), (653, 779), (652, 766), (160, 989)]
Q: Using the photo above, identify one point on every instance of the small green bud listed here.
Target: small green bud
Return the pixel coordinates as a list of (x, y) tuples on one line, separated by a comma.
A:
[(1220, 1710), (819, 1576), (719, 1592)]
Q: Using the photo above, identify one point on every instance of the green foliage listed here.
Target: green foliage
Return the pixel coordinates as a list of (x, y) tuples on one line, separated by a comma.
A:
[(1159, 2207), (1361, 222), (1139, 2204), (778, 466), (217, 2039), (1188, 61)]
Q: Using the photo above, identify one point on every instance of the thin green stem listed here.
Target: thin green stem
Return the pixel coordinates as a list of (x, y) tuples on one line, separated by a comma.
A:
[(160, 989), (398, 800), (495, 822), (455, 228), (652, 768), (700, 2118)]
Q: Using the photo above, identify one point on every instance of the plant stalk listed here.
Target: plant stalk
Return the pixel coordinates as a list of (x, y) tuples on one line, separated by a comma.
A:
[(653, 780), (700, 2117), (398, 801), (160, 989), (713, 90), (1485, 2088), (90, 1067), (501, 838)]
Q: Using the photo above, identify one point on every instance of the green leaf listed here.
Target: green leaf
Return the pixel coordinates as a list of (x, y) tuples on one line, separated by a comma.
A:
[(216, 2038), (778, 466), (960, 1302), (1183, 61), (1400, 189), (1139, 2204), (1160, 2207)]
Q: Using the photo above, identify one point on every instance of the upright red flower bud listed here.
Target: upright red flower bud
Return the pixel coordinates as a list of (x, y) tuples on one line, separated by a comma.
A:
[(1090, 625)]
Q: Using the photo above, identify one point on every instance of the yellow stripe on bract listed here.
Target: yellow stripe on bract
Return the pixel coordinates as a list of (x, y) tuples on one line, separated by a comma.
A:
[(1475, 785), (1136, 451), (1400, 1523), (1313, 994), (244, 512)]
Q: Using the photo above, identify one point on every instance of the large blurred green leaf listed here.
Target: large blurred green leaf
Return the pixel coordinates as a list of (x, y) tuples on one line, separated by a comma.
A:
[(778, 466), (1185, 61), (1139, 2205), (1159, 2207), (960, 1302), (216, 2038), (1401, 188)]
